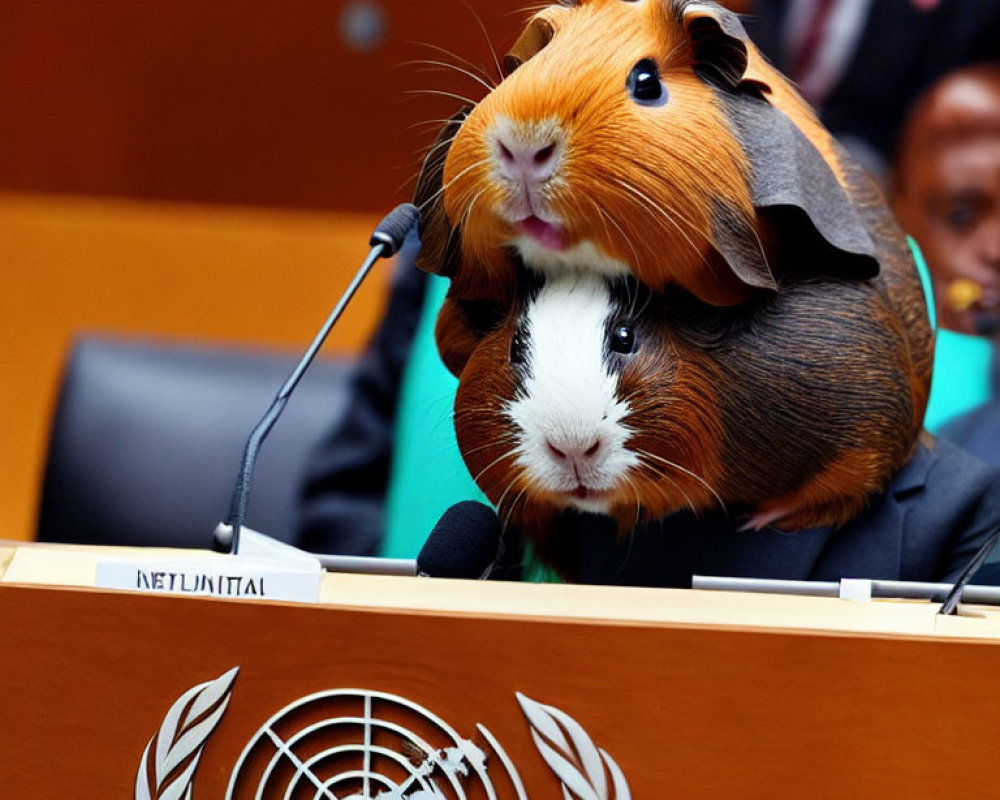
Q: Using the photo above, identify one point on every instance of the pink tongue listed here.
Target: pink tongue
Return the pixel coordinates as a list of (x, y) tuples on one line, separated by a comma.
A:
[(542, 232)]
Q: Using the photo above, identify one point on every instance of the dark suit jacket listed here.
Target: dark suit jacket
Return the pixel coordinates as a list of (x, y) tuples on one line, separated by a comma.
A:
[(931, 521), (901, 52)]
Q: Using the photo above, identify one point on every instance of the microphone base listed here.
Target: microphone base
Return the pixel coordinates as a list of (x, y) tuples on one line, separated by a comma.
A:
[(263, 545)]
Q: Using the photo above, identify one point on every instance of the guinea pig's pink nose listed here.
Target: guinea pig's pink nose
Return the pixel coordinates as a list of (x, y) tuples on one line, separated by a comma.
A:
[(574, 452), (527, 161)]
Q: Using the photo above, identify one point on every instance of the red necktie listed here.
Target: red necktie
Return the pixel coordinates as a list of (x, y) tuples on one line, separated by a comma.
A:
[(805, 54)]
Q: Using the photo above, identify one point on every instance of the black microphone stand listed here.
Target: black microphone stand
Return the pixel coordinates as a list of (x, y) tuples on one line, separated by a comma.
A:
[(385, 241)]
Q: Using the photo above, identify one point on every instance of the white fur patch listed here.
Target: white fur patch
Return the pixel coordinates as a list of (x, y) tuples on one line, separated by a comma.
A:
[(570, 399), (579, 257)]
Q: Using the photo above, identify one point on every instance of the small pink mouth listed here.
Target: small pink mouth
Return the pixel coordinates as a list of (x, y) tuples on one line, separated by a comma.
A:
[(545, 233), (581, 492)]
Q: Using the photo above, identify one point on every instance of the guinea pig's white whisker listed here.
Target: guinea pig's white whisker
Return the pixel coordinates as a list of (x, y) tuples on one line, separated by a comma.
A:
[(431, 64), (521, 11), (637, 504), (522, 495), (477, 410), (447, 185), (600, 215), (645, 305), (625, 236), (441, 93), (686, 471), (604, 218), (500, 503), (665, 215), (445, 143), (422, 155), (652, 461), (510, 485), (456, 56), (676, 214), (426, 124), (507, 440), (505, 454), (663, 493), (631, 296), (486, 35), (633, 487), (633, 290), (637, 197), (468, 209)]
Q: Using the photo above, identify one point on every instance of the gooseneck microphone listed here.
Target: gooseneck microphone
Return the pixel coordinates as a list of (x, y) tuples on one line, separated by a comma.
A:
[(385, 241)]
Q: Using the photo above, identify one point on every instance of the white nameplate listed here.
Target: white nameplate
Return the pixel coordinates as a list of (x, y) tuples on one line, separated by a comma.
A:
[(228, 577)]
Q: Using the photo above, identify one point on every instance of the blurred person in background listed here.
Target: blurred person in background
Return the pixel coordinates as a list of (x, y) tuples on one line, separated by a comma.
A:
[(863, 63), (946, 194)]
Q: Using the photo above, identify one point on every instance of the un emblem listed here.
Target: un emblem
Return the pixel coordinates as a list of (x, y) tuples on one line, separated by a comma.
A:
[(355, 744)]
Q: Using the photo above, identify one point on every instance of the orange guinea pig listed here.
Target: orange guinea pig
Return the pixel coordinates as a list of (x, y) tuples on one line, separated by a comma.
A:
[(645, 138), (669, 286)]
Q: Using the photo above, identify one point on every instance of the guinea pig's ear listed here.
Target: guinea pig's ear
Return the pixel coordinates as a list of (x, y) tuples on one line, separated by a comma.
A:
[(535, 36), (440, 242), (814, 220), (808, 215), (720, 45)]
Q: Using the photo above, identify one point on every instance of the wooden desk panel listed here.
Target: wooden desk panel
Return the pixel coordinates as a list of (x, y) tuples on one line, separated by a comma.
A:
[(740, 703)]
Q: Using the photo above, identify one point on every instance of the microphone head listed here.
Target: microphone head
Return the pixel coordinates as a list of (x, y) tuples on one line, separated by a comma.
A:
[(463, 544), (392, 230)]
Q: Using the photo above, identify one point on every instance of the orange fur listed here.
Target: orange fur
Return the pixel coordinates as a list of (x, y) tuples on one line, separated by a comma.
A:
[(834, 496), (638, 182)]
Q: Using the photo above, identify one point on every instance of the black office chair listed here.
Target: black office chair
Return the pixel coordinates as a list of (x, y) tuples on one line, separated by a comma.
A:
[(147, 440)]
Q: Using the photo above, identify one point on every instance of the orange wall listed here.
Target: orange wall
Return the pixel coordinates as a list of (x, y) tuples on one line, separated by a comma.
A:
[(261, 278), (251, 102)]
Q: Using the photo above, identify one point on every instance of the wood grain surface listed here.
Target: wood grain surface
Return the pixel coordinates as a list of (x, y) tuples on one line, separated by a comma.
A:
[(687, 711)]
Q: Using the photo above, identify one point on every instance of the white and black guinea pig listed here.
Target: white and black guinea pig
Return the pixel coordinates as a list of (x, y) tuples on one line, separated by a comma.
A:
[(602, 395)]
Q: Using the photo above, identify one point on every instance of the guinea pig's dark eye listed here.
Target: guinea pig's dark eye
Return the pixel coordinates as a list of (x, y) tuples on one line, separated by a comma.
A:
[(622, 339), (644, 84)]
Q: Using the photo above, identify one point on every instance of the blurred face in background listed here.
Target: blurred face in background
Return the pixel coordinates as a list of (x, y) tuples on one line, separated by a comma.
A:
[(946, 194)]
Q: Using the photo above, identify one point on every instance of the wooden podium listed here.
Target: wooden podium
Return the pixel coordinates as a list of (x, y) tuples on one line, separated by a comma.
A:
[(426, 688)]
